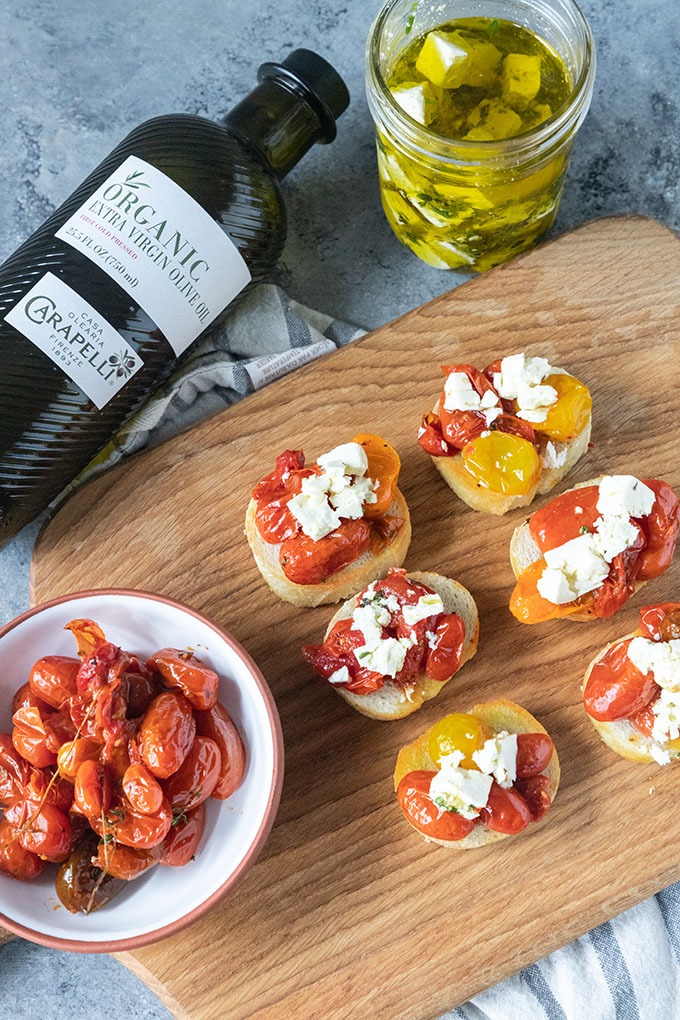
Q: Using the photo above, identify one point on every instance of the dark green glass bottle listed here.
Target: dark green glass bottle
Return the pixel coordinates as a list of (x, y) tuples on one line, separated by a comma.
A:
[(102, 301)]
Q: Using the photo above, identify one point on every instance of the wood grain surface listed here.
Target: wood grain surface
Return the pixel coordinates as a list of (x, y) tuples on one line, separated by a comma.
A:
[(348, 914)]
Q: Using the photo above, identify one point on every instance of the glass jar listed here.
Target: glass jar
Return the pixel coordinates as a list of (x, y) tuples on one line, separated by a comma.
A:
[(472, 204)]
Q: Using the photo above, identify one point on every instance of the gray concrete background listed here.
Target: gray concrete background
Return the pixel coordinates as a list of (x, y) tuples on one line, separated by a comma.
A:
[(77, 75)]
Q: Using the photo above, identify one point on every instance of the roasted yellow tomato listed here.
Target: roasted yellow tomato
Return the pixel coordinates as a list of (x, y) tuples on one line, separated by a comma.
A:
[(383, 468), (569, 414), (503, 463), (458, 732)]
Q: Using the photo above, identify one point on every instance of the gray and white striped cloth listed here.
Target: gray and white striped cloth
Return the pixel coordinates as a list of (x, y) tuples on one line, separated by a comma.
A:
[(626, 969)]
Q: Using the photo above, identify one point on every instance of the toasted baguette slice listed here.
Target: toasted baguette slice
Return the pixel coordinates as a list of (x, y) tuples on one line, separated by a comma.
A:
[(498, 715), (352, 578), (621, 735), (524, 552), (476, 496), (392, 701)]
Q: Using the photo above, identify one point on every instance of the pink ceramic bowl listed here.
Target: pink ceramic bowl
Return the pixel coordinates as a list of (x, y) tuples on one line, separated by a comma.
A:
[(164, 900)]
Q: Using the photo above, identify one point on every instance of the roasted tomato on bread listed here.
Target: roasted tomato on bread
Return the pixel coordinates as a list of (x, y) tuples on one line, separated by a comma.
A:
[(395, 644), (500, 436), (478, 776), (321, 532), (587, 551), (631, 690)]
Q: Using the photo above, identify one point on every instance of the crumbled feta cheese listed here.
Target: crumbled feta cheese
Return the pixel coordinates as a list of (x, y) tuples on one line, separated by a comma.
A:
[(340, 491), (660, 754), (370, 619), (427, 605), (315, 515), (666, 710), (662, 658), (554, 458), (498, 758), (572, 569), (348, 459), (582, 564), (624, 495), (340, 676), (614, 534), (520, 379), (460, 395), (386, 656), (462, 790)]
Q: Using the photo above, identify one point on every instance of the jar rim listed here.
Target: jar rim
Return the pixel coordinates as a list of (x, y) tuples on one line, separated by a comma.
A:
[(430, 143)]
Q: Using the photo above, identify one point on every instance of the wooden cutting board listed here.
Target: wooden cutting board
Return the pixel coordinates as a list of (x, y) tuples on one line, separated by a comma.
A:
[(348, 914)]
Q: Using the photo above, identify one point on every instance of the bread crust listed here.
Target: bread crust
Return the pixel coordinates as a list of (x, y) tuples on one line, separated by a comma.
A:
[(621, 736), (500, 714), (524, 552), (484, 500), (352, 578), (391, 702)]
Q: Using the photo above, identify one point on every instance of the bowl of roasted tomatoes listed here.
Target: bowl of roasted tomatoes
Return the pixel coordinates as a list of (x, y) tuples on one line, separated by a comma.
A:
[(141, 764)]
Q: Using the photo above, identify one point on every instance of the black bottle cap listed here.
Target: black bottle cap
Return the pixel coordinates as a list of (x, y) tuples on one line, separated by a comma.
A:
[(316, 81)]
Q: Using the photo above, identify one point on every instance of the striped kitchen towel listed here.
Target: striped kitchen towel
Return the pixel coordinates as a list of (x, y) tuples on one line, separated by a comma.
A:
[(626, 969)]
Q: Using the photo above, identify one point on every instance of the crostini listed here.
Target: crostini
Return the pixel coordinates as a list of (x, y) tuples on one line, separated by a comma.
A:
[(587, 551), (631, 690), (321, 532), (476, 777), (397, 643), (501, 436)]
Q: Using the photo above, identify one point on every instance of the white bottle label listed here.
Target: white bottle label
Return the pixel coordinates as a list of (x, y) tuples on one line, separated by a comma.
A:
[(76, 337), (161, 247)]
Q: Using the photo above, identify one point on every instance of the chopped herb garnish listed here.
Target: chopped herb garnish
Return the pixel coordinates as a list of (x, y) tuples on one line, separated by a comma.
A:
[(583, 530), (181, 816), (493, 26), (364, 655), (108, 838), (411, 17), (440, 802)]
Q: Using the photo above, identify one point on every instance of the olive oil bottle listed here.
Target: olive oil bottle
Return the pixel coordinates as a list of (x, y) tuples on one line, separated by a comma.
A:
[(98, 305)]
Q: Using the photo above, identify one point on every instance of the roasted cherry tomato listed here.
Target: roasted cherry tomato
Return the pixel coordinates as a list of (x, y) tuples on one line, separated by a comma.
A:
[(53, 678), (305, 561), (42, 829), (528, 606), (197, 776), (661, 622), (534, 751), (661, 531), (217, 724), (616, 689), (187, 674), (644, 719), (460, 427), (132, 828), (31, 738), (383, 468), (431, 437), (93, 790), (181, 843), (413, 794), (569, 415), (73, 753), (444, 649), (25, 697), (459, 731), (506, 811), (274, 483), (142, 789), (535, 791), (15, 772), (502, 463), (138, 690), (166, 733), (82, 887), (564, 517), (124, 862), (88, 634), (15, 860)]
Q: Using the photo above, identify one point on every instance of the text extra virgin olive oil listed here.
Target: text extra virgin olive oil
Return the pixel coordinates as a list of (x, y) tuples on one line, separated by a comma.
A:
[(97, 306)]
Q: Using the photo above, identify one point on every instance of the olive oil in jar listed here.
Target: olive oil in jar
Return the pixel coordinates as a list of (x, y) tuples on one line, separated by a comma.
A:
[(472, 154)]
